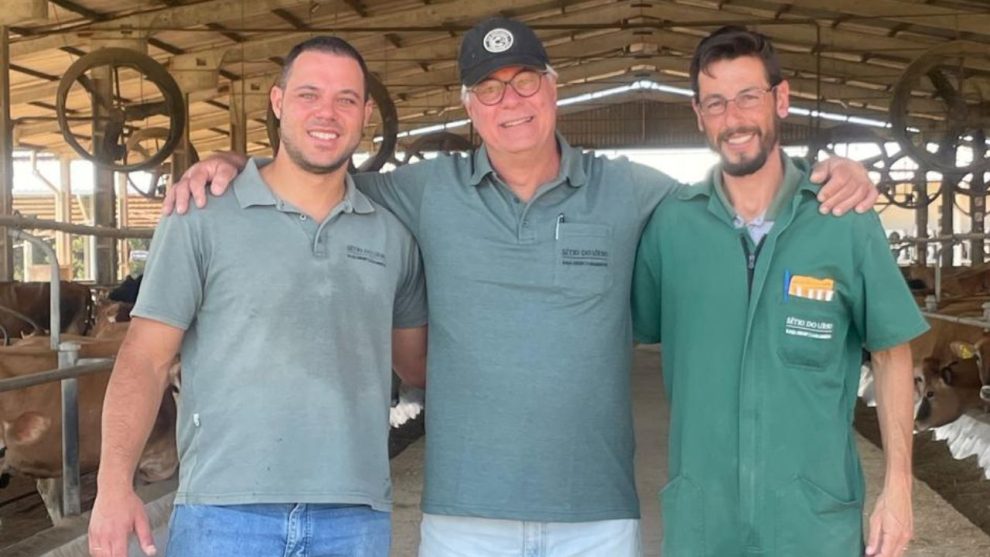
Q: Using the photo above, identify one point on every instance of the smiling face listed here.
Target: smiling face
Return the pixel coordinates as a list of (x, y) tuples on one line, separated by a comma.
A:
[(516, 125), (743, 137), (321, 110)]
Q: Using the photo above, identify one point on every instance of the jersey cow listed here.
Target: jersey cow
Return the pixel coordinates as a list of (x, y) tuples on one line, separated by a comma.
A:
[(953, 388), (25, 308), (31, 419)]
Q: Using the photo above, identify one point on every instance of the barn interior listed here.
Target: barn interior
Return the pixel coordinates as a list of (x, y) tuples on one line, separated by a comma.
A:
[(103, 105)]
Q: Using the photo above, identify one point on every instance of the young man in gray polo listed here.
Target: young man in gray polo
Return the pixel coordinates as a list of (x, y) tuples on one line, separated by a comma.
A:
[(528, 244), (291, 299)]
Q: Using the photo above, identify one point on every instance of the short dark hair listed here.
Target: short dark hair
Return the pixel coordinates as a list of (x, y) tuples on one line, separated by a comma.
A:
[(326, 44), (731, 42)]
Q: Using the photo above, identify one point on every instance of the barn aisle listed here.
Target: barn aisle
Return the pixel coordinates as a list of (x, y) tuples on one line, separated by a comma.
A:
[(940, 531)]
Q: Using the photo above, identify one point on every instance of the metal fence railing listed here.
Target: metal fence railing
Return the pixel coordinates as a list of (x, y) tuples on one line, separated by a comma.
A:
[(69, 368)]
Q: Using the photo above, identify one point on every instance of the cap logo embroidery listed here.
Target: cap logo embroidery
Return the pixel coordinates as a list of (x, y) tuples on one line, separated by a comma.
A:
[(498, 40)]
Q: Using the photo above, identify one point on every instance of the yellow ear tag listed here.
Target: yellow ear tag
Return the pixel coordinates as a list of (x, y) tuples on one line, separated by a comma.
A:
[(963, 350)]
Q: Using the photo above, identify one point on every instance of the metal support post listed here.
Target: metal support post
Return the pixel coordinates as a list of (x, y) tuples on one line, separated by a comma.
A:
[(238, 118), (978, 200), (104, 207), (947, 152), (68, 356), (921, 222), (6, 156)]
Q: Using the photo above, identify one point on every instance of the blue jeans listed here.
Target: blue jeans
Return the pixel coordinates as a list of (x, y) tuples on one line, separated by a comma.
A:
[(461, 536), (278, 531)]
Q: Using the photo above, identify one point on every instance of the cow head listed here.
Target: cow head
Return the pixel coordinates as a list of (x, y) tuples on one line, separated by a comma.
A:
[(948, 391), (980, 351)]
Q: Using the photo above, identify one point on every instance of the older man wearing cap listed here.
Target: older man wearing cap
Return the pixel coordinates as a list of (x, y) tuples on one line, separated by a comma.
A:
[(528, 246)]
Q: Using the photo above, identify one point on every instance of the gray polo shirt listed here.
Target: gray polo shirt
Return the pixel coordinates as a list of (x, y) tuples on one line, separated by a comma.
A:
[(528, 412), (286, 356)]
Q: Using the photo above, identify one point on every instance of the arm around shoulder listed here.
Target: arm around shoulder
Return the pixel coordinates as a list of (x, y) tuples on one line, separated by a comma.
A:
[(217, 171)]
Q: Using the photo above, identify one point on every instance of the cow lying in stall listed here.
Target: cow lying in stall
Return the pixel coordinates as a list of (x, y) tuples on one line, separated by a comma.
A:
[(25, 308), (957, 282), (31, 418)]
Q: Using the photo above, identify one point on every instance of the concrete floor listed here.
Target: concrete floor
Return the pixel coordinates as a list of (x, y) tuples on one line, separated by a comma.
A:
[(940, 531)]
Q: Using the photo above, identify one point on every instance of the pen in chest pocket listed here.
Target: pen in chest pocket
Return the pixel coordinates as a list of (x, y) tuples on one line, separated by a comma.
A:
[(556, 228)]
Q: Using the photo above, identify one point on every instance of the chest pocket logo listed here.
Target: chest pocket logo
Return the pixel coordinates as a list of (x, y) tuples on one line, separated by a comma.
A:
[(811, 331), (371, 256), (582, 258)]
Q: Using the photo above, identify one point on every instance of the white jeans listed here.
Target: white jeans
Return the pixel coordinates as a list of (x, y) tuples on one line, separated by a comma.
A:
[(459, 536)]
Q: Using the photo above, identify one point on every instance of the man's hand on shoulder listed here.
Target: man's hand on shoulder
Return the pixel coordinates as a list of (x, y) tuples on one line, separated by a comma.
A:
[(847, 185), (218, 170)]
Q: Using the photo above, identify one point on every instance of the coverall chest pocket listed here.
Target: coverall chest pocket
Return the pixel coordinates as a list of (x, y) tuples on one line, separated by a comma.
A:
[(582, 258), (809, 331)]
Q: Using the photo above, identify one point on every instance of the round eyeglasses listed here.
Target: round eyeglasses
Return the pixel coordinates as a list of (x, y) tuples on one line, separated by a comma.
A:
[(491, 91)]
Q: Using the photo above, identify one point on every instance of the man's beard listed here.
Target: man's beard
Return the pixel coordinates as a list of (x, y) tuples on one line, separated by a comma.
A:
[(745, 167), (299, 159)]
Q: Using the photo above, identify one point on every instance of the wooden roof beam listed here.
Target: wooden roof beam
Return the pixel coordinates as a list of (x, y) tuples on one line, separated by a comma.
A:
[(81, 10), (288, 17), (358, 7), (182, 16), (916, 15)]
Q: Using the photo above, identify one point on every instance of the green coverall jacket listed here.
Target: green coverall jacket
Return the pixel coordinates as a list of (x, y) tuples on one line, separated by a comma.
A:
[(762, 346)]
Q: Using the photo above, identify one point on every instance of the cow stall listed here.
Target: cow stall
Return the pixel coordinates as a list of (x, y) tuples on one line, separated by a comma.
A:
[(952, 361)]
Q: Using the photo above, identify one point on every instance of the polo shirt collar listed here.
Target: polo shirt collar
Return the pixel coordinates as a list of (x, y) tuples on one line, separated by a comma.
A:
[(354, 200), (251, 190), (571, 165)]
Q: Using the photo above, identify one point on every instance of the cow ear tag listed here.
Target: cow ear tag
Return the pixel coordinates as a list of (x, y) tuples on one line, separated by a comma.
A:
[(963, 350)]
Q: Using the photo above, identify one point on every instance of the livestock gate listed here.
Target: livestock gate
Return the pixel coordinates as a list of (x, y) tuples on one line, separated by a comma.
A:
[(103, 103)]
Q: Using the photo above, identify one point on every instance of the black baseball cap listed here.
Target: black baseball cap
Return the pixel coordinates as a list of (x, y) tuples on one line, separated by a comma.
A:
[(496, 43)]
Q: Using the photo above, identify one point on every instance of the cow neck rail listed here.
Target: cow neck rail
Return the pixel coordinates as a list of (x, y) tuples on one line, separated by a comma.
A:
[(31, 223), (96, 366)]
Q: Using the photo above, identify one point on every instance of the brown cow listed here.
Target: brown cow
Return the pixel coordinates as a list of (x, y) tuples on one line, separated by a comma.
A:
[(978, 354), (937, 341), (930, 352), (950, 390), (25, 308), (967, 281), (111, 320), (31, 421), (957, 282)]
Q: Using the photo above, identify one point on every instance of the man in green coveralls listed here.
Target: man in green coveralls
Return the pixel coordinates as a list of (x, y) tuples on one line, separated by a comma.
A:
[(763, 308)]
